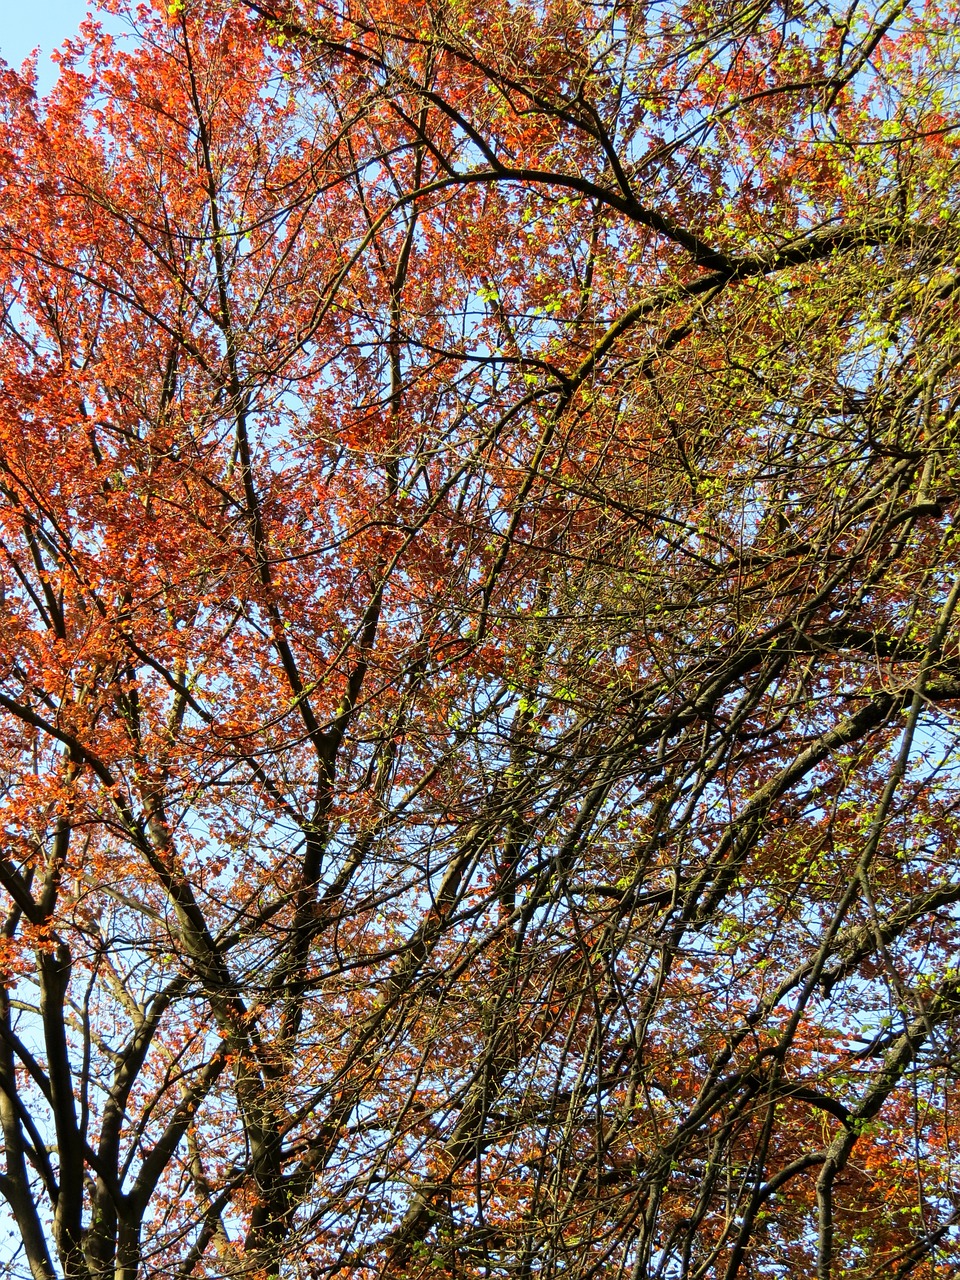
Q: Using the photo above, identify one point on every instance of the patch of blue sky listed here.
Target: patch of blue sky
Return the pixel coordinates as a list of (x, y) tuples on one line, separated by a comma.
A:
[(39, 27)]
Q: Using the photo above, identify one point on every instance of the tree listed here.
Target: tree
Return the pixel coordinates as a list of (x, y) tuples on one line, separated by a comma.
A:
[(479, 643)]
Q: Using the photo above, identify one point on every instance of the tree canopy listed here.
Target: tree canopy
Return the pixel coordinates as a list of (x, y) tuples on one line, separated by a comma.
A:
[(479, 664)]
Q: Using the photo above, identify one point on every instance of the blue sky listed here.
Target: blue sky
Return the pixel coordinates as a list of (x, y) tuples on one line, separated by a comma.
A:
[(28, 24)]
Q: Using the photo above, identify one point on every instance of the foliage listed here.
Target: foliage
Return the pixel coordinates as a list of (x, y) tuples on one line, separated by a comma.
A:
[(479, 659)]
